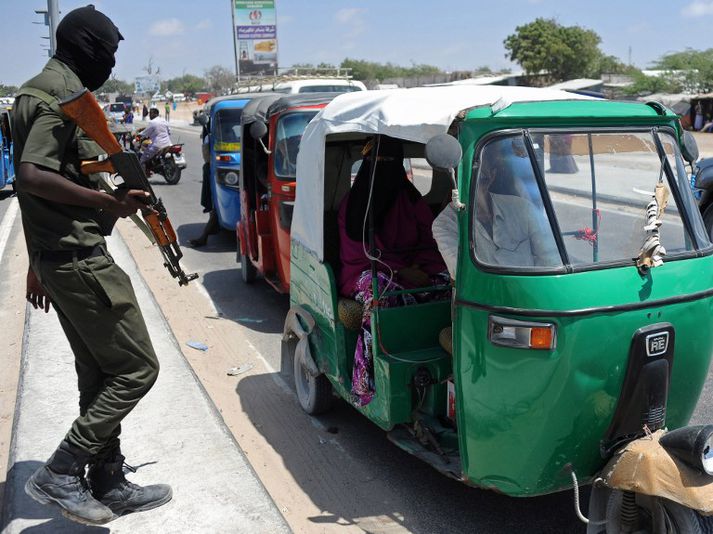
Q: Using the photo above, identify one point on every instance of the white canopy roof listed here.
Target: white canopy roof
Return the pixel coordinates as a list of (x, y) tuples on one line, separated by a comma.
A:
[(410, 114)]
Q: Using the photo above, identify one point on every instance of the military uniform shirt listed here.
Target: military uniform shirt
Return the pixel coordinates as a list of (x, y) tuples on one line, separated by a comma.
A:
[(44, 137)]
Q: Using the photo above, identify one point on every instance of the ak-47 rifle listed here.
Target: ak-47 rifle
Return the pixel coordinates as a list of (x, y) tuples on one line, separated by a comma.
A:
[(84, 110)]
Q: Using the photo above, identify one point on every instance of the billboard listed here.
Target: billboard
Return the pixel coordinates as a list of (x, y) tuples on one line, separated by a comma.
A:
[(147, 84), (256, 36)]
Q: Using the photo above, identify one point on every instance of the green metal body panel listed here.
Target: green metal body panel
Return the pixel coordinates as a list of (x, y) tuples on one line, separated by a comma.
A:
[(523, 415)]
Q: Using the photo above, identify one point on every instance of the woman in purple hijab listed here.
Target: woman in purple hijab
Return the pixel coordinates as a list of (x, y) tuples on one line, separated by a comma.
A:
[(407, 256)]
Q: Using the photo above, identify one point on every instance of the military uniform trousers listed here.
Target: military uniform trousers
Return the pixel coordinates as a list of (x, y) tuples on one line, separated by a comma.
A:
[(114, 359)]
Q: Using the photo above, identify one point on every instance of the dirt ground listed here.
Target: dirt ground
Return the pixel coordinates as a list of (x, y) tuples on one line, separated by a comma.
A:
[(183, 111), (251, 415), (705, 144)]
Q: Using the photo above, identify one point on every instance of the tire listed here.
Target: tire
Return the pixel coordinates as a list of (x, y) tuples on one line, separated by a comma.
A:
[(171, 171), (313, 393), (654, 514), (248, 272), (708, 221)]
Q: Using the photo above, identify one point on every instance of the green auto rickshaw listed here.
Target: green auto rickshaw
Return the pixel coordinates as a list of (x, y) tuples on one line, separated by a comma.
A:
[(573, 339)]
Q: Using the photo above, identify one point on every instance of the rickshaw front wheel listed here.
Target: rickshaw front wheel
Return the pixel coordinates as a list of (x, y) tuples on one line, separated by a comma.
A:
[(248, 272), (313, 392), (615, 512)]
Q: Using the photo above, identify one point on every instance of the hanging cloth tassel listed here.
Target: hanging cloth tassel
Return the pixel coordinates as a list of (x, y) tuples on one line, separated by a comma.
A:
[(652, 251)]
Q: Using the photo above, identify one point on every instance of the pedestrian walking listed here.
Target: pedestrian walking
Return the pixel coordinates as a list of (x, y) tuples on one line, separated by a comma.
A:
[(71, 270), (698, 119), (167, 111), (144, 112)]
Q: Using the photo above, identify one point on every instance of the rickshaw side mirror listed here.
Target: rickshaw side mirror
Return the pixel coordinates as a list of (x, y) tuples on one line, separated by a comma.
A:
[(443, 152), (689, 148), (258, 129)]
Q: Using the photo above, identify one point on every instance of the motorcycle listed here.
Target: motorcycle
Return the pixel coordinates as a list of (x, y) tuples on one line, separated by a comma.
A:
[(168, 162)]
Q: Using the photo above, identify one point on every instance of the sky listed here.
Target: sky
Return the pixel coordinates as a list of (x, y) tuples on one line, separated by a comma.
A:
[(190, 36)]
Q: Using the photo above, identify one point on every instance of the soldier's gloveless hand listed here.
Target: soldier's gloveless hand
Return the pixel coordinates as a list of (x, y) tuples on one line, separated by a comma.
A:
[(35, 293), (127, 203)]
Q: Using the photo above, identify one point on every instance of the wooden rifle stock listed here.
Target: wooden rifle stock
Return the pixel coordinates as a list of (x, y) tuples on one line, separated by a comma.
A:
[(90, 167), (85, 111)]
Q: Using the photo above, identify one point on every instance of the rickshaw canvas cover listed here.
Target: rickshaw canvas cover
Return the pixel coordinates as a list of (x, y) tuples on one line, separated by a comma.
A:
[(411, 114)]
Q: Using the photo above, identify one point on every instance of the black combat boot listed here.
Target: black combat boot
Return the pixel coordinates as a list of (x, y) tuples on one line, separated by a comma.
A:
[(61, 482), (110, 487)]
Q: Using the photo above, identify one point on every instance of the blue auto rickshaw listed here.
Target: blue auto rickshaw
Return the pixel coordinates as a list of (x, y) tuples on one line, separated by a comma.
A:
[(7, 169), (222, 123)]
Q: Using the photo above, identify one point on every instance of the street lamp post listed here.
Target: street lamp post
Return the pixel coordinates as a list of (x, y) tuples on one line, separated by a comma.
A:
[(51, 19), (53, 12)]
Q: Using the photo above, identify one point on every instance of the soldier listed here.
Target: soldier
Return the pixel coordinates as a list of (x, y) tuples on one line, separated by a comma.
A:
[(70, 268)]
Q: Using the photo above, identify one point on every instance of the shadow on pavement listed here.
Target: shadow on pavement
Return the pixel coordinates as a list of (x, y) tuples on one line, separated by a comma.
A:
[(18, 506), (355, 476), (255, 306), (223, 241)]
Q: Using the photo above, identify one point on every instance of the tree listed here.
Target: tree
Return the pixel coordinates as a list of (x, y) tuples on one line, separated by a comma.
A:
[(368, 70), (115, 85), (7, 90), (219, 78), (188, 84), (562, 52), (646, 85), (694, 68), (613, 65)]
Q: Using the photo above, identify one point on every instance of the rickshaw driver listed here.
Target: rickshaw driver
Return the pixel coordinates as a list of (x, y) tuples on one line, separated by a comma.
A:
[(508, 229)]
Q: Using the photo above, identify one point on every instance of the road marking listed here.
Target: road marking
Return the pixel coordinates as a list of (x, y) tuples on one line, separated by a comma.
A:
[(7, 223)]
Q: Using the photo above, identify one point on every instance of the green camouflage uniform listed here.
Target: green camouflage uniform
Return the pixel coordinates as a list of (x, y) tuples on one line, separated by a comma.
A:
[(95, 302)]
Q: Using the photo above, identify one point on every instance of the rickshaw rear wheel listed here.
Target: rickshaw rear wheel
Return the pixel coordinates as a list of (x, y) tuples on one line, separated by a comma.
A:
[(313, 392), (614, 512)]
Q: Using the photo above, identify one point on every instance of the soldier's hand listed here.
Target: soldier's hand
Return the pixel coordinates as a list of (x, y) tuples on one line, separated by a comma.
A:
[(128, 202), (35, 294)]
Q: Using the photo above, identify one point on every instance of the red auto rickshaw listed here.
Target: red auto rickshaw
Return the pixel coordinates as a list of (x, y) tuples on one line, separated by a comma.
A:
[(272, 129)]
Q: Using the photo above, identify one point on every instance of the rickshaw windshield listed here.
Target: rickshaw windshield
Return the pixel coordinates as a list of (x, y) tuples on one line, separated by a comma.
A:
[(597, 186), (226, 130), (290, 128)]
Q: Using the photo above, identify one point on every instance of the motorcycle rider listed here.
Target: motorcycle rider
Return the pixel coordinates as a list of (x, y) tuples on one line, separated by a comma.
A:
[(159, 133)]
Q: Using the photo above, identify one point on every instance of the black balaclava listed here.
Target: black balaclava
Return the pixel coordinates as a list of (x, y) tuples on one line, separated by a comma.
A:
[(389, 179), (86, 42)]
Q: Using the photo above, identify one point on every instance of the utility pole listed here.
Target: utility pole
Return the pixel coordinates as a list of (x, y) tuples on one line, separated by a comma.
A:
[(51, 19), (235, 41), (53, 15)]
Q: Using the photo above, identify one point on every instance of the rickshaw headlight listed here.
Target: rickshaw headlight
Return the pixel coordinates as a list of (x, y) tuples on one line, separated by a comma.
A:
[(522, 334), (692, 445)]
